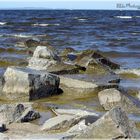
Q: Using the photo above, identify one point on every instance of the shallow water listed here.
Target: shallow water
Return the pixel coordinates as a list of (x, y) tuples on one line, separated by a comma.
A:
[(115, 33)]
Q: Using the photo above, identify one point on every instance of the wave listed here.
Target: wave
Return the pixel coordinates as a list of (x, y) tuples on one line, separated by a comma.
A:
[(132, 71), (124, 17), (2, 23), (82, 19), (16, 35), (44, 25)]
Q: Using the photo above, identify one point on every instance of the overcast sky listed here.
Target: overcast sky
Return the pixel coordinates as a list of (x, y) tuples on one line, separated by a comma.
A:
[(68, 4)]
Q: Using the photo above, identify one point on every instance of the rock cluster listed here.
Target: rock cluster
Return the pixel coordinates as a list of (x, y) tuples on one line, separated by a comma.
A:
[(48, 74)]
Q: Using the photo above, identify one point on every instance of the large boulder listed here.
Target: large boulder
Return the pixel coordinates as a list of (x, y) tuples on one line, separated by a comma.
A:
[(110, 98), (114, 124), (29, 84), (46, 59), (10, 113)]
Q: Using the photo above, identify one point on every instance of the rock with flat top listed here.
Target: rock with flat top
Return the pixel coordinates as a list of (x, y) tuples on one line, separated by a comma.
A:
[(29, 84), (60, 122), (114, 124)]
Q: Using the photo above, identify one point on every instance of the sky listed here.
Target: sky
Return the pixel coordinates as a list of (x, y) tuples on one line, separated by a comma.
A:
[(70, 4)]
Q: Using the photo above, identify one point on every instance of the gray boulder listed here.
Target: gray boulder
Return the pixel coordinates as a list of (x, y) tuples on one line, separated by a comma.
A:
[(43, 58), (110, 98), (46, 53), (10, 113), (28, 84), (114, 124)]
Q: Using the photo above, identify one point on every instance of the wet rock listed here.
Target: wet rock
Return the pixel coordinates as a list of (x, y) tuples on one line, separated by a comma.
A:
[(32, 42), (114, 124), (10, 113), (28, 84), (28, 115), (66, 51), (95, 62), (110, 98), (2, 127), (61, 122), (77, 87), (91, 84), (67, 55)]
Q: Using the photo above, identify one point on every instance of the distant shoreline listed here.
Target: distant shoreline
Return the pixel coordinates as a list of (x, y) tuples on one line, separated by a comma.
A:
[(70, 9)]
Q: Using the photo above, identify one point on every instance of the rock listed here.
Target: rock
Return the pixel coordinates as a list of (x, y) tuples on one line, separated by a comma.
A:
[(32, 42), (10, 113), (72, 86), (46, 59), (110, 98), (2, 127), (61, 122), (66, 51), (91, 84), (3, 137), (67, 54), (20, 131), (28, 115), (114, 124), (40, 63), (94, 62), (77, 112), (78, 128), (28, 84), (46, 53)]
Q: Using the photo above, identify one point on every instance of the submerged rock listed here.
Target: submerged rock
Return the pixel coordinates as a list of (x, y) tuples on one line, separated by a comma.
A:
[(32, 42), (85, 85), (94, 62), (10, 113), (110, 98), (28, 84), (67, 54), (114, 124)]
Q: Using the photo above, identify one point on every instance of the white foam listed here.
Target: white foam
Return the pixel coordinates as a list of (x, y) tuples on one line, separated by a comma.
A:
[(19, 35), (2, 23), (124, 17), (133, 71), (82, 19), (44, 25)]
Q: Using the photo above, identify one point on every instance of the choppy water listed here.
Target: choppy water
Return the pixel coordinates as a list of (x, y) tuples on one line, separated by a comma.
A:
[(116, 33)]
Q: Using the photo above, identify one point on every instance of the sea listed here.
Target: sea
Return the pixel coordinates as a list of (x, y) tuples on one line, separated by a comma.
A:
[(116, 33)]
